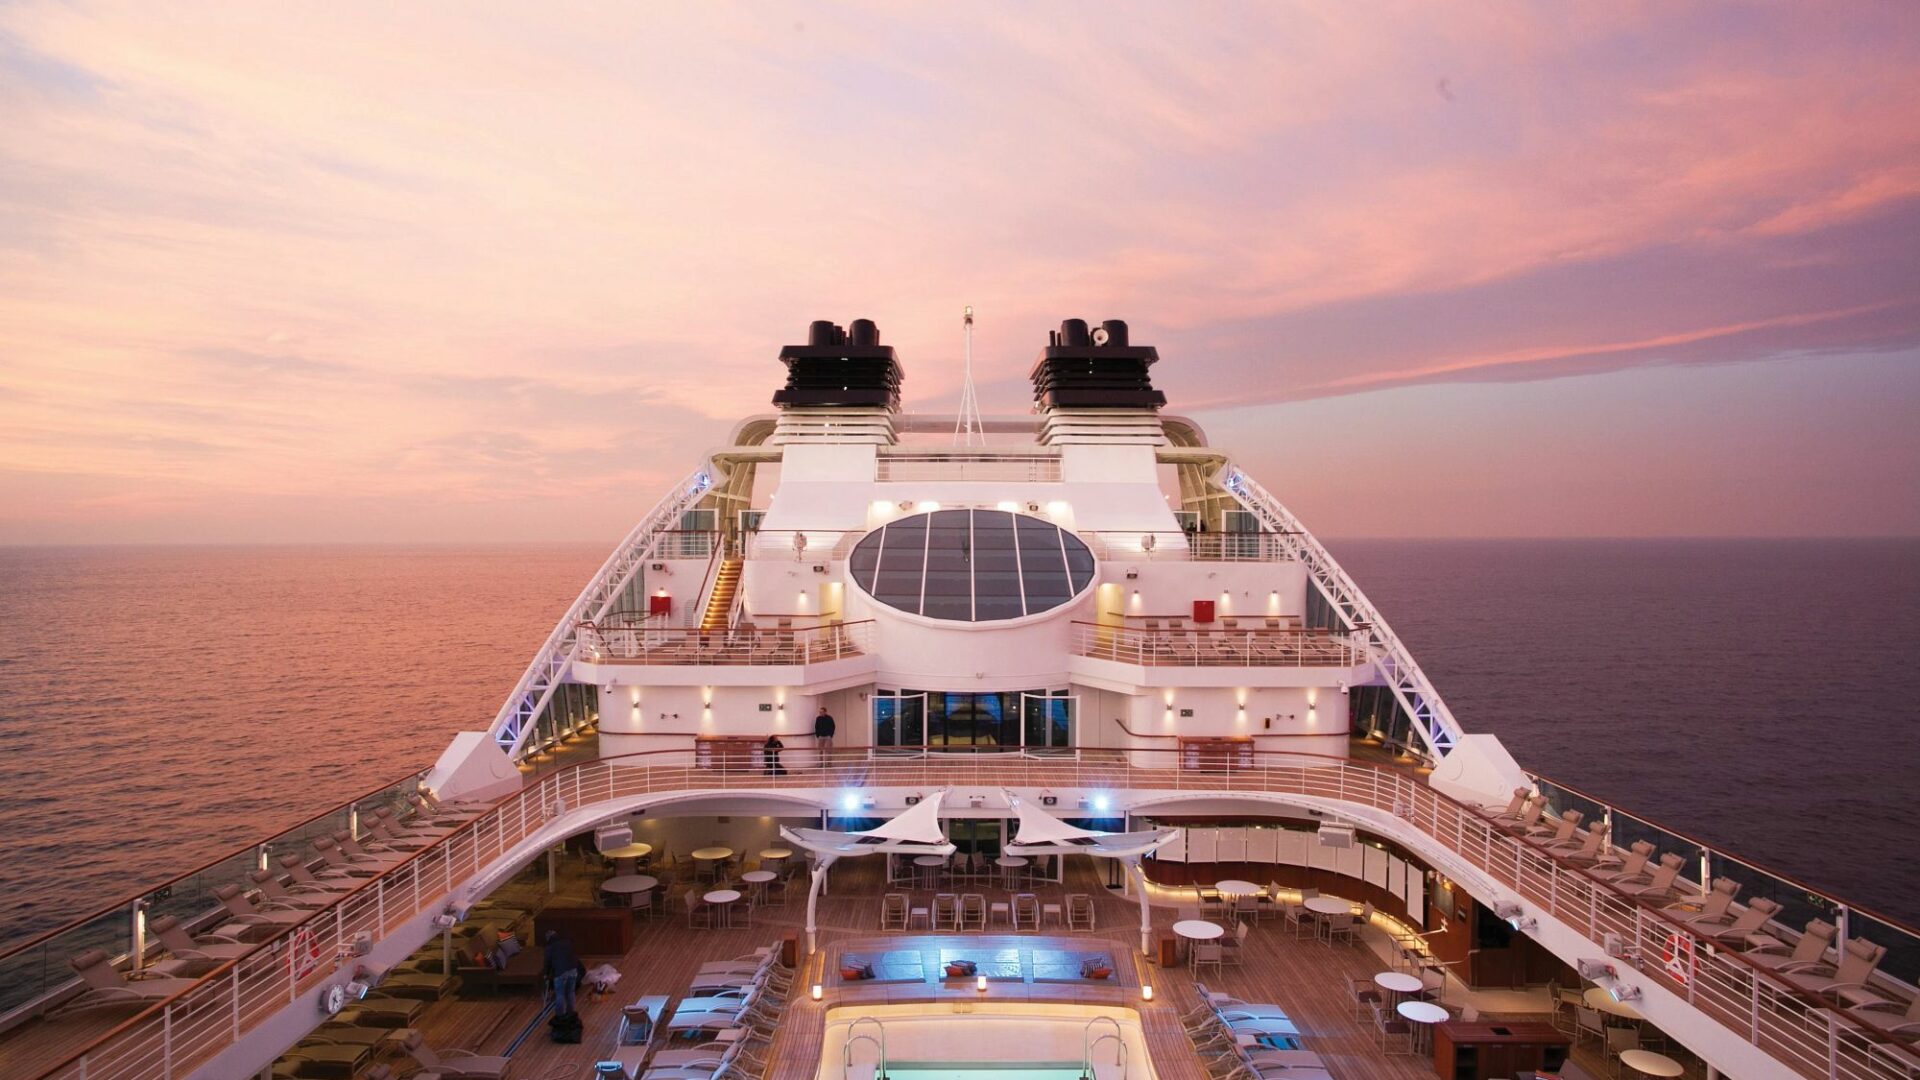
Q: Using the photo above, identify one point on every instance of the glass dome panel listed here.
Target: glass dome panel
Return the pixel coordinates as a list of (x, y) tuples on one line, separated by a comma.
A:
[(971, 565)]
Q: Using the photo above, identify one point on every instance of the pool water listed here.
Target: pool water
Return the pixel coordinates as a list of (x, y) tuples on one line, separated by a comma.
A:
[(967, 1070)]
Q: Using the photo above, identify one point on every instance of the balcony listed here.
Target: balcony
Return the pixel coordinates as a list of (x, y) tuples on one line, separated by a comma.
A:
[(746, 645), (1184, 657), (1116, 546)]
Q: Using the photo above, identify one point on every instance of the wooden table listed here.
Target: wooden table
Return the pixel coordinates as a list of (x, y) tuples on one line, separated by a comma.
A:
[(1649, 1063)]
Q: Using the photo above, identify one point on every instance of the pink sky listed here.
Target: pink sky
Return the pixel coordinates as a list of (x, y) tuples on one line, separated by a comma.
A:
[(408, 272)]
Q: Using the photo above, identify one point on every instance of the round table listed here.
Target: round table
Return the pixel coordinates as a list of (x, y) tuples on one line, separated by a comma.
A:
[(1649, 1063), (630, 886), (723, 899), (1329, 905), (776, 853), (1596, 998), (758, 879), (631, 851), (712, 854), (1236, 888), (1425, 1014), (1008, 865), (1398, 982)]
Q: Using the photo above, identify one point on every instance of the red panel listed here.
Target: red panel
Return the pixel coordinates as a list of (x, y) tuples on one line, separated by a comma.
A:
[(1203, 611), (659, 605)]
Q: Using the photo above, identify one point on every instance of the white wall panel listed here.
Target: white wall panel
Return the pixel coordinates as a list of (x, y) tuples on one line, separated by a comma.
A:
[(1203, 845), (1321, 857), (1416, 897), (1352, 863), (1292, 847), (1376, 866), (1263, 845), (1396, 875), (1174, 850), (1231, 846)]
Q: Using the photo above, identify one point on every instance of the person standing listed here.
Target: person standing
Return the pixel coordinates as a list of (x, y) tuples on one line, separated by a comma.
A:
[(562, 970), (771, 751), (823, 730)]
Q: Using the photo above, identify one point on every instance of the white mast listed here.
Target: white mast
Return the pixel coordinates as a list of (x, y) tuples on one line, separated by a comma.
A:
[(968, 430)]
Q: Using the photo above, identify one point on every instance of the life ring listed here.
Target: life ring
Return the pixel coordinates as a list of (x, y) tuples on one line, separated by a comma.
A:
[(303, 953), (1679, 958)]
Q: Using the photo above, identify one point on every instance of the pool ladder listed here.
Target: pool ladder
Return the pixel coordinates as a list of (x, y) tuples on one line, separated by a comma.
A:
[(854, 1035), (1088, 1044)]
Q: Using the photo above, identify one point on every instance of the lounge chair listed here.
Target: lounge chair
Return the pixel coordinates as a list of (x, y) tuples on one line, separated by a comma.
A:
[(277, 894), (1718, 900), (250, 922), (378, 1010), (1529, 816), (893, 911), (1588, 849), (1631, 867), (1884, 1013), (194, 953), (1558, 832), (336, 864), (382, 853), (107, 989), (1515, 806), (452, 1064), (1810, 949), (1857, 963), (1727, 928), (1657, 884)]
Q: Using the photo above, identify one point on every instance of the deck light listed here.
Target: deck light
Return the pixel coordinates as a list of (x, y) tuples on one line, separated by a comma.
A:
[(1102, 803), (816, 992), (849, 801), (1146, 992), (980, 983)]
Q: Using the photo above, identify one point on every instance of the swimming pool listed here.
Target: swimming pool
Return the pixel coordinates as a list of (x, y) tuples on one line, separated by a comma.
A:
[(982, 1071), (984, 1040)]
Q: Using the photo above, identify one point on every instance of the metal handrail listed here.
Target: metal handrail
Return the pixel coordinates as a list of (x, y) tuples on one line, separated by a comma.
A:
[(853, 1035), (1728, 988), (1088, 1042), (1253, 648)]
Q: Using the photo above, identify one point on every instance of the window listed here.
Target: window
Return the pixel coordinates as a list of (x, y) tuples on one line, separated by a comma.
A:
[(972, 565)]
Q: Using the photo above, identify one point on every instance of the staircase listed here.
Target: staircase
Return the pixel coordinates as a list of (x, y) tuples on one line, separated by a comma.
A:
[(726, 585)]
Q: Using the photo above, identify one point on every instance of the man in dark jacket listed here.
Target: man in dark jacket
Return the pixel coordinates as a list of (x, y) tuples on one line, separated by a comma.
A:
[(823, 729), (562, 971)]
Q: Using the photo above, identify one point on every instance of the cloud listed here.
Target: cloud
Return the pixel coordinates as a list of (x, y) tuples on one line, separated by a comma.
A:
[(416, 254)]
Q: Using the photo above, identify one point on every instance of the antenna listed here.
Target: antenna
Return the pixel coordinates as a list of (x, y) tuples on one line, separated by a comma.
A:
[(968, 431)]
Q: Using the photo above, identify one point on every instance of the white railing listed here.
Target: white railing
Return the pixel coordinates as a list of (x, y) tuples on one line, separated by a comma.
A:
[(1415, 692), (168, 1040), (737, 645), (935, 466), (531, 694), (1215, 648), (1187, 547)]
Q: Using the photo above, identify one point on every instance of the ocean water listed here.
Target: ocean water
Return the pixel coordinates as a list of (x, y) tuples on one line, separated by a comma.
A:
[(161, 706)]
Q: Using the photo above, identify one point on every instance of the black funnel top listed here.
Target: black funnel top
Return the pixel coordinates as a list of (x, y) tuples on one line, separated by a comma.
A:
[(1095, 368), (838, 367)]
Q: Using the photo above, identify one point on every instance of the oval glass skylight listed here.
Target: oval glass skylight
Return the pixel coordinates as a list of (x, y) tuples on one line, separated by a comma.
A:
[(971, 565)]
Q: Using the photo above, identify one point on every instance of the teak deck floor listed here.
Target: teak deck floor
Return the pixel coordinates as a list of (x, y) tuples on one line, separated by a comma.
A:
[(1306, 978)]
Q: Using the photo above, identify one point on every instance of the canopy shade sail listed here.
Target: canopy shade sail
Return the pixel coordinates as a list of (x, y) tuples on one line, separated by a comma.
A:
[(1043, 834), (914, 831)]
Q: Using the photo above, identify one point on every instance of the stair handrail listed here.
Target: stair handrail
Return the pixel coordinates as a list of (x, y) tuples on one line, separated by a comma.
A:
[(1088, 1042), (1411, 687), (530, 695), (854, 1035)]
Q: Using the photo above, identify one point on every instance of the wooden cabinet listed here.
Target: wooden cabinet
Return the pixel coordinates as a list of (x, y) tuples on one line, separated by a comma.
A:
[(1485, 1051), (595, 931)]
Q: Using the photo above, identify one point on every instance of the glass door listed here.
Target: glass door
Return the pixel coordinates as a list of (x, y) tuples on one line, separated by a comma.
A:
[(1047, 721), (899, 718)]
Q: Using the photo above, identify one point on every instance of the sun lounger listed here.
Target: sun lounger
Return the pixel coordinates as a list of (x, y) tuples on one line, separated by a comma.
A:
[(1585, 847), (1729, 928), (452, 1064), (1857, 963), (1657, 884), (1810, 949), (377, 1010), (1559, 831), (278, 894), (1530, 814), (197, 956), (106, 988), (1632, 866), (251, 922), (1718, 901)]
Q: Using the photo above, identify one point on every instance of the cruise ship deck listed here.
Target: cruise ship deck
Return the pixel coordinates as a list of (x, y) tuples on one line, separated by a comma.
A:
[(1078, 671)]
